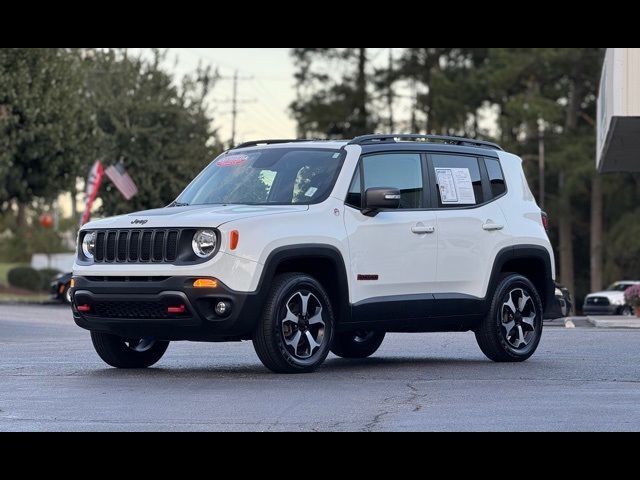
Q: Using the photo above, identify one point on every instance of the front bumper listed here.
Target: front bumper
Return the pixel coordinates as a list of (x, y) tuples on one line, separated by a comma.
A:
[(604, 310), (138, 307)]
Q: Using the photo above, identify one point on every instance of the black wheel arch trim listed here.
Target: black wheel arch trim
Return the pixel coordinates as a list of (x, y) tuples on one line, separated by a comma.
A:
[(309, 251), (527, 252)]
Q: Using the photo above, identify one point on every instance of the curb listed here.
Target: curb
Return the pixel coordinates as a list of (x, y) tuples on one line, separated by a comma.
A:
[(615, 322)]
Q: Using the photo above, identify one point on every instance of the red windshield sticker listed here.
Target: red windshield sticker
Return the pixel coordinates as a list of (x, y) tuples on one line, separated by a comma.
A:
[(234, 161)]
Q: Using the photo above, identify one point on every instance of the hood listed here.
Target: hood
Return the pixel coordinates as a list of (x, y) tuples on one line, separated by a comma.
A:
[(192, 216), (607, 294)]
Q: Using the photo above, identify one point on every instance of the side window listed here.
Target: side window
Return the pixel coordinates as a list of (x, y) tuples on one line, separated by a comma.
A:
[(354, 197), (458, 180), (496, 177), (397, 170)]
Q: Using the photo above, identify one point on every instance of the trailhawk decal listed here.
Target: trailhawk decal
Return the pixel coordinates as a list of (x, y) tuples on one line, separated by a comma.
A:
[(368, 278)]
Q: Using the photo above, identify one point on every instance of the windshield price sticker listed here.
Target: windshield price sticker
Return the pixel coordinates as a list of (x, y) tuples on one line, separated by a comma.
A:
[(456, 187), (233, 161)]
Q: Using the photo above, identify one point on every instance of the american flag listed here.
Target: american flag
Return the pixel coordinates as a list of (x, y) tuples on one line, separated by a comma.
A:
[(121, 179)]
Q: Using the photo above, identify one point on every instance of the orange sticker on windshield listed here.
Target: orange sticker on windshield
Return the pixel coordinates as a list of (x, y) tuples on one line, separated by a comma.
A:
[(233, 161)]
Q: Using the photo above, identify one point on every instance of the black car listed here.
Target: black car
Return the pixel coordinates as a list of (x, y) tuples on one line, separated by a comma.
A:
[(61, 288)]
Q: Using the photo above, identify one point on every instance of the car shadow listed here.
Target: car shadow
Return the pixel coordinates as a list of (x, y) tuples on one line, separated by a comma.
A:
[(331, 366)]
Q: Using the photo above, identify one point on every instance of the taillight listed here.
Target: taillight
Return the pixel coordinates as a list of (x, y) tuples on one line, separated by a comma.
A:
[(545, 220)]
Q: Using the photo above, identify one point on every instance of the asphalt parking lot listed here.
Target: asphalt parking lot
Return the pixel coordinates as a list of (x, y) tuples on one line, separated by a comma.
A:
[(581, 379)]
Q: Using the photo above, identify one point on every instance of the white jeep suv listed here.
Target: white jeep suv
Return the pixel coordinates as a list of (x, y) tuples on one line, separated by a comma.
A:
[(306, 247)]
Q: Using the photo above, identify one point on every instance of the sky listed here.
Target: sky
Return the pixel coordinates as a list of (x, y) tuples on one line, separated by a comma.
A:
[(265, 93)]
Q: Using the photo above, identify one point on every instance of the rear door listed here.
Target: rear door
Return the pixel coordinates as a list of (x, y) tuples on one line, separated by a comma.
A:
[(472, 228)]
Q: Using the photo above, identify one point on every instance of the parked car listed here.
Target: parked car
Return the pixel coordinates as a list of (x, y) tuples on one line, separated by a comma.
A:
[(61, 288), (564, 299), (306, 247), (610, 301)]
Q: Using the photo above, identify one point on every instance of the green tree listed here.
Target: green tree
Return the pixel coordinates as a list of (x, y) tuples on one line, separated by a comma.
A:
[(333, 98), (40, 104), (160, 131), (447, 92)]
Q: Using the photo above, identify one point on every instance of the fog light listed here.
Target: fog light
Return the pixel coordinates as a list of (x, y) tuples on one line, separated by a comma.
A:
[(223, 309), (205, 283)]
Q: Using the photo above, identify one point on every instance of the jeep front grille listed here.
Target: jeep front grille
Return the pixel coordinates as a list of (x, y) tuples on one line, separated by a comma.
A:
[(138, 246)]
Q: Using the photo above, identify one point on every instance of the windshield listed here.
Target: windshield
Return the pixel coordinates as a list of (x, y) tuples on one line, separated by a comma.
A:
[(619, 287), (280, 176)]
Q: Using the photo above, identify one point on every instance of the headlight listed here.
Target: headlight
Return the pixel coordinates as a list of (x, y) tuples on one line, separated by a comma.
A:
[(89, 245), (204, 243), (617, 301)]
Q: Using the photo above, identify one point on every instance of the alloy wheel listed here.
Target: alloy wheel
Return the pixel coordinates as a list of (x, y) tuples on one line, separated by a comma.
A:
[(518, 319), (303, 328)]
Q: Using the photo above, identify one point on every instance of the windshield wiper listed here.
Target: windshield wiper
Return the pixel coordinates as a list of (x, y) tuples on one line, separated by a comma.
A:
[(178, 204)]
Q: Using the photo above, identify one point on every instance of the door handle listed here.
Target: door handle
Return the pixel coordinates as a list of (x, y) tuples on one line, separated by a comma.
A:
[(491, 227), (422, 230)]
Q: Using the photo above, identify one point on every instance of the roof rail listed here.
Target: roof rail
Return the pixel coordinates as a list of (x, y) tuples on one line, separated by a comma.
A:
[(395, 138), (269, 142)]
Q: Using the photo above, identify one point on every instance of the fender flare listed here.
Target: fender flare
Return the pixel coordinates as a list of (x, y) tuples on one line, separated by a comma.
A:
[(309, 251), (524, 252)]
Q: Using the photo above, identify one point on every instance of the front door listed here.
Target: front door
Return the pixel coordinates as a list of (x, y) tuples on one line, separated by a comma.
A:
[(393, 255)]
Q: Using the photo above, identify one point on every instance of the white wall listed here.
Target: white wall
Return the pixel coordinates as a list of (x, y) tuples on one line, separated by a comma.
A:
[(59, 261), (619, 90)]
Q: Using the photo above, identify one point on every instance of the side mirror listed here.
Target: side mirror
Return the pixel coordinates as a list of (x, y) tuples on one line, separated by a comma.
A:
[(376, 199)]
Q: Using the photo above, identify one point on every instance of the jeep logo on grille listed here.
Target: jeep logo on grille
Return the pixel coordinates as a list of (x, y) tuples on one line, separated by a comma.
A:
[(139, 222)]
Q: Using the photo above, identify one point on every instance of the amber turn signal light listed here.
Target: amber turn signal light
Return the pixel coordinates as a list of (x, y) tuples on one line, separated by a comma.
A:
[(72, 283), (205, 283), (234, 238)]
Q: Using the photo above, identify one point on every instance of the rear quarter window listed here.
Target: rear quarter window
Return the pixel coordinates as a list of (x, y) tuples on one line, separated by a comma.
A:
[(496, 177)]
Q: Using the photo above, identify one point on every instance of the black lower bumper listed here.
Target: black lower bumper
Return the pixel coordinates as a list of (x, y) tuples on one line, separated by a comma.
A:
[(604, 310), (162, 308)]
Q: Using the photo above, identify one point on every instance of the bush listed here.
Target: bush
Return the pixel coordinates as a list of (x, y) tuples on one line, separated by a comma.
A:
[(632, 296), (47, 275), (25, 277)]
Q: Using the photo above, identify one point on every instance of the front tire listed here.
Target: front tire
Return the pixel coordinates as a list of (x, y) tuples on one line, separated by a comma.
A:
[(296, 329), (626, 311), (357, 344), (127, 354), (512, 329)]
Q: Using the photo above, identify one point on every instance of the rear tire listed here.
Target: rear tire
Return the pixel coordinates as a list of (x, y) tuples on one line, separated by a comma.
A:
[(127, 354), (296, 329), (512, 329), (357, 344)]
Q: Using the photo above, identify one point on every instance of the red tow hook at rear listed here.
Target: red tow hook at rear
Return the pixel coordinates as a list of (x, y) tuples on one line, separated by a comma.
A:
[(84, 308), (177, 310)]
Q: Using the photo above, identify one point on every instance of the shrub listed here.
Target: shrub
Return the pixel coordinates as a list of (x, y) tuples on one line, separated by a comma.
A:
[(632, 296), (25, 277), (47, 275)]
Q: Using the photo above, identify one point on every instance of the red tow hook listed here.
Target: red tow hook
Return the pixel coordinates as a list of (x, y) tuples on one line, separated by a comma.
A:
[(177, 310), (83, 308)]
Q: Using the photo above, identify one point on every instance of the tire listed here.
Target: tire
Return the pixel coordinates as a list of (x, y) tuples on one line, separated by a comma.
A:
[(357, 344), (66, 295), (505, 336), (626, 311), (276, 339), (127, 354)]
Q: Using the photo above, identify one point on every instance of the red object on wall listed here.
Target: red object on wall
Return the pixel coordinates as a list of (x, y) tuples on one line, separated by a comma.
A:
[(46, 220)]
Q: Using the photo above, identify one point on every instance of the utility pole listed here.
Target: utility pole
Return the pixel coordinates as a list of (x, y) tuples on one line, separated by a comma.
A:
[(541, 163), (235, 101), (390, 92), (234, 108)]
